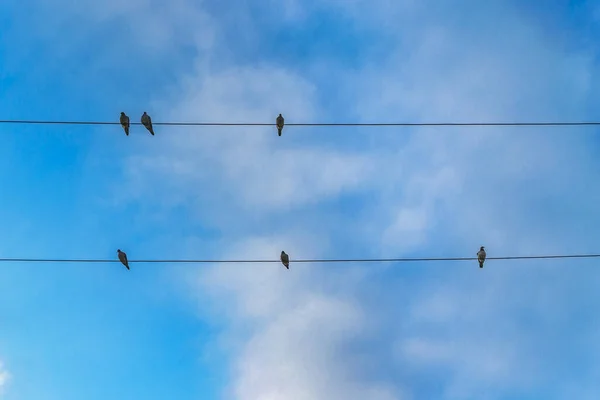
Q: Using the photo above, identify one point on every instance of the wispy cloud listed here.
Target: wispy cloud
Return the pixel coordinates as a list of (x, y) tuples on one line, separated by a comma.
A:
[(4, 377), (299, 329)]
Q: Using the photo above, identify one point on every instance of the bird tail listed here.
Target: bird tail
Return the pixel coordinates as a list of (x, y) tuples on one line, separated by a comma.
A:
[(279, 131), (480, 264)]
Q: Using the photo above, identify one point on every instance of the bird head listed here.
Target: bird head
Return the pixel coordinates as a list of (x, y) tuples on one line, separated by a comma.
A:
[(280, 115), (144, 112), (282, 252), (122, 113), (119, 250), (481, 248)]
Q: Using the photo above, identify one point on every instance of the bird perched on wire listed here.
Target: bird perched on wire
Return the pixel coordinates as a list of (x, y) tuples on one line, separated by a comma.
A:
[(123, 258), (481, 256), (285, 259), (147, 122), (125, 122), (280, 123)]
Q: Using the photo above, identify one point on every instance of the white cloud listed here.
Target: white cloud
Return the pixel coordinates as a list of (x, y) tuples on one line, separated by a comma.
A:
[(4, 377), (298, 330), (258, 169), (297, 356)]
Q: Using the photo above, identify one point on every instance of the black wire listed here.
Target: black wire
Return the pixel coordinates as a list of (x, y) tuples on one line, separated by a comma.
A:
[(588, 123), (356, 260)]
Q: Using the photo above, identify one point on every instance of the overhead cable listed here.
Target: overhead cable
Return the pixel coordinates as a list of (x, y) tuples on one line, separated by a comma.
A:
[(407, 124), (299, 261)]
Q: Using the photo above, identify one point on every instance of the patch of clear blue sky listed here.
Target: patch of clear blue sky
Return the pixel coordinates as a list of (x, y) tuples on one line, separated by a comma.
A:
[(87, 331)]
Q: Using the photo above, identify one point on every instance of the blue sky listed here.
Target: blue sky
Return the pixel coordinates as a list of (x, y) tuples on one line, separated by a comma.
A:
[(525, 330)]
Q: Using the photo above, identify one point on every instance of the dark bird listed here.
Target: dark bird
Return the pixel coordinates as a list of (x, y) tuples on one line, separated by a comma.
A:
[(125, 123), (280, 123), (147, 122), (285, 259), (123, 258), (481, 256)]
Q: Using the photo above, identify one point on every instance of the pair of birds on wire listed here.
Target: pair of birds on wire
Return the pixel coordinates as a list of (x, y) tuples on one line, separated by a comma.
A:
[(146, 121), (285, 259)]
